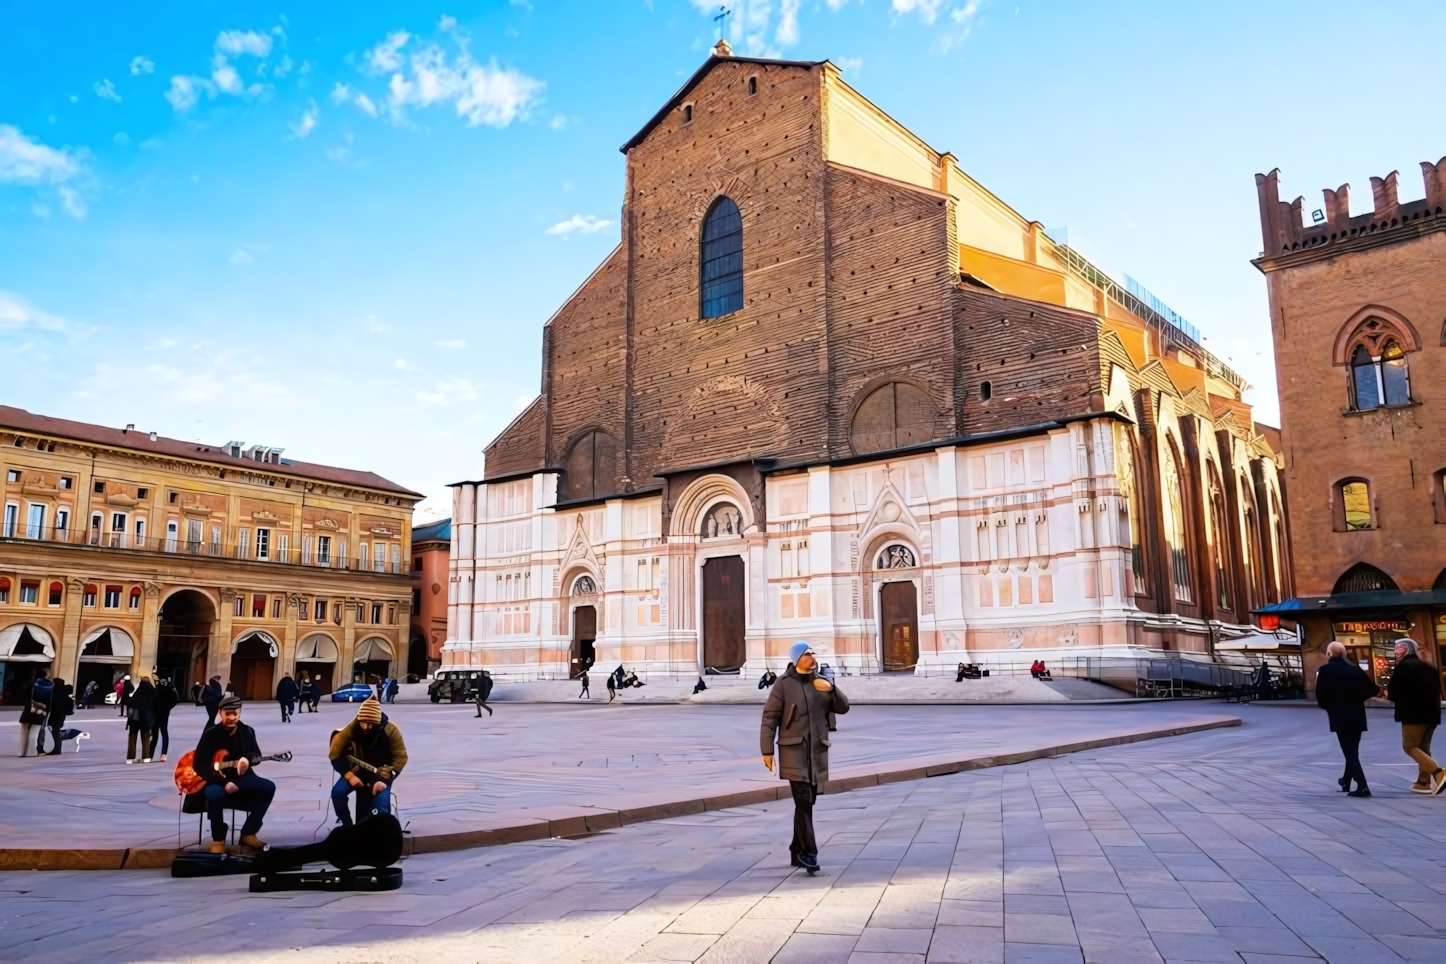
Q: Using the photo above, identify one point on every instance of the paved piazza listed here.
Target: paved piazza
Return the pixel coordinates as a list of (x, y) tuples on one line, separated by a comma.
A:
[(1228, 845)]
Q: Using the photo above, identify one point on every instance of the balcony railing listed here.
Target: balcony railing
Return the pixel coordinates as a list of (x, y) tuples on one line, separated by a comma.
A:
[(316, 558)]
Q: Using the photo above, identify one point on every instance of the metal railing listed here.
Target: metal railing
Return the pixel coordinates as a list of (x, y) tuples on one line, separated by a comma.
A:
[(173, 543)]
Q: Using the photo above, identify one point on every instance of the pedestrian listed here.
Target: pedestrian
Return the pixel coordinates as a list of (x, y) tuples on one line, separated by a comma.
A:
[(612, 687), (369, 755), (35, 713), (286, 692), (90, 696), (123, 690), (959, 678), (211, 698), (1415, 688), (196, 692), (391, 687), (584, 695), (1341, 689), (303, 693), (61, 706), (314, 693), (166, 700), (480, 691), (141, 722), (796, 715)]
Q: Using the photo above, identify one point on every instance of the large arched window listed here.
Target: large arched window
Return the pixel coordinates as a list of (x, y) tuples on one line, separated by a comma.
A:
[(1378, 380), (722, 260), (1363, 577), (590, 469), (1217, 536), (1175, 527), (891, 417), (1134, 508)]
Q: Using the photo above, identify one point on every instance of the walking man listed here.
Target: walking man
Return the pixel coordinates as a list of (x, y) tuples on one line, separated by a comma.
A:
[(1341, 689), (211, 699), (1415, 688), (481, 689), (286, 692), (35, 713), (796, 715), (584, 695)]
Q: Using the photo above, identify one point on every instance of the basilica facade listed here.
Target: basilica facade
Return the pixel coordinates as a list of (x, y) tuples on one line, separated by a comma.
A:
[(830, 388)]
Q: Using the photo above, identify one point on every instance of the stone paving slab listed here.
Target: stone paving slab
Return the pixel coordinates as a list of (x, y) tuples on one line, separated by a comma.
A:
[(979, 866), (516, 776)]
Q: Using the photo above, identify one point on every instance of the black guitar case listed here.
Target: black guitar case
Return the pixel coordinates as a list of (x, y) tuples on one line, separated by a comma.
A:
[(375, 842)]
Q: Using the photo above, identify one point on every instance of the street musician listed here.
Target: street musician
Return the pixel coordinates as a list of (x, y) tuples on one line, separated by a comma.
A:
[(368, 754)]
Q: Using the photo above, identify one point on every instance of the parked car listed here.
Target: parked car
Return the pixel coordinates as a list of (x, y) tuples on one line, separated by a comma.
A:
[(353, 693), (453, 685)]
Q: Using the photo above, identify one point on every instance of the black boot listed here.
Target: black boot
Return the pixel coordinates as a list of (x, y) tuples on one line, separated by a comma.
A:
[(809, 862), (1361, 791), (1345, 783)]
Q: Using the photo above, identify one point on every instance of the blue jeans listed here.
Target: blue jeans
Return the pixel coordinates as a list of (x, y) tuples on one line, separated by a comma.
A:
[(253, 795), (366, 803)]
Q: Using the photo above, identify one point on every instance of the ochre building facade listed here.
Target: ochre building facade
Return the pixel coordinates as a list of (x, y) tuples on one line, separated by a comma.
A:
[(122, 551), (828, 387), (1356, 309)]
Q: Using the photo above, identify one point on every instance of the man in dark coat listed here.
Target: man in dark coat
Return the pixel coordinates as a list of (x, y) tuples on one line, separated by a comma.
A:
[(34, 713), (211, 699), (797, 715), (239, 788), (286, 693), (1415, 688), (166, 700), (141, 722), (61, 706), (1341, 689)]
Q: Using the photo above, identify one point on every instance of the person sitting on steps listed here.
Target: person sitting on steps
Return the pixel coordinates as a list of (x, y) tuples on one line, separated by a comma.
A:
[(369, 754), (240, 788)]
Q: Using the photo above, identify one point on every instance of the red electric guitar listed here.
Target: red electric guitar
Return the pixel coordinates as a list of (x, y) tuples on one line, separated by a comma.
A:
[(188, 781)]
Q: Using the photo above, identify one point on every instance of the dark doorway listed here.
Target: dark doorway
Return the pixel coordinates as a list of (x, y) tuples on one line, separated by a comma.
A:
[(723, 647), (416, 658), (185, 637), (584, 634), (252, 667), (899, 616)]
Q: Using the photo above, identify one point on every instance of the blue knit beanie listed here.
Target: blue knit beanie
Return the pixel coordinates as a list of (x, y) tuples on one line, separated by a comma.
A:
[(797, 650)]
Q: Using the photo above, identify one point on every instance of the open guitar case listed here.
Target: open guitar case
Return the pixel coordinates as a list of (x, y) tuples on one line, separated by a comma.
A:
[(363, 855)]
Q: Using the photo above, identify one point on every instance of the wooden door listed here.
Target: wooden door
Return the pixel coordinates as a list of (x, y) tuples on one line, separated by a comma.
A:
[(251, 675), (584, 634), (899, 612), (723, 646)]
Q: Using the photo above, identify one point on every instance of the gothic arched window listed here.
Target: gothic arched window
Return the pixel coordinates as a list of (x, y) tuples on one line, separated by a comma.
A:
[(891, 417), (1217, 536), (1366, 390), (722, 260), (1379, 379), (1175, 535), (1394, 377), (590, 468)]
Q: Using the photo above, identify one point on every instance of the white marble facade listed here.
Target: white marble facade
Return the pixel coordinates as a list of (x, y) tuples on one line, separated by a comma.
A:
[(1016, 550)]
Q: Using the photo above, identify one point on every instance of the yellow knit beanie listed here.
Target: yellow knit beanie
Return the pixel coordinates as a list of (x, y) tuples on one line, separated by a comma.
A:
[(370, 711)]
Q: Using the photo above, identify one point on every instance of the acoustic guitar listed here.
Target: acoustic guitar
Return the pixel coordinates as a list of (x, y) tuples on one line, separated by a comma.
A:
[(188, 781)]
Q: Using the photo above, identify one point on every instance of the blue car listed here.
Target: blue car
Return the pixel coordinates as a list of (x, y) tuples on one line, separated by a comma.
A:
[(353, 693)]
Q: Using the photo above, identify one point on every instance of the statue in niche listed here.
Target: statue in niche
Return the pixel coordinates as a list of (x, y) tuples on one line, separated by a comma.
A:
[(896, 557), (722, 521), (584, 586)]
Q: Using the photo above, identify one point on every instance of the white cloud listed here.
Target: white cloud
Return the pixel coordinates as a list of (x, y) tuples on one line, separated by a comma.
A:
[(579, 224), (447, 23), (522, 401), (849, 65), (283, 68), (142, 65), (234, 43), (105, 90), (386, 56), (241, 256), (787, 34), (307, 124), (365, 104), (26, 161), (74, 203), (226, 78), (340, 94), (185, 91), (16, 312), (928, 10), (454, 343), (450, 391), (484, 94), (404, 365)]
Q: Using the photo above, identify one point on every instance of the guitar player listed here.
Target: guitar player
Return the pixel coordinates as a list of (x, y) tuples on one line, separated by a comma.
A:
[(240, 787), (369, 754)]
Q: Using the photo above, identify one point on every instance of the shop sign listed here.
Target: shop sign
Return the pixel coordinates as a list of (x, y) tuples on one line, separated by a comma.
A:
[(1377, 625)]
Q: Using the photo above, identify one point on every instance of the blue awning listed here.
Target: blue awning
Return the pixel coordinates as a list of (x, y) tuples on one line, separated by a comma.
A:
[(1355, 602)]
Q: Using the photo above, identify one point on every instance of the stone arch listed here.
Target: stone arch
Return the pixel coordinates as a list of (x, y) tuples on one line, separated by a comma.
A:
[(1354, 327), (885, 535), (700, 496), (590, 464), (211, 595), (1364, 577), (260, 635), (571, 576), (892, 411)]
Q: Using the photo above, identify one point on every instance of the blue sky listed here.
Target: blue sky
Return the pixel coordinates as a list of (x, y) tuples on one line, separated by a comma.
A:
[(339, 228)]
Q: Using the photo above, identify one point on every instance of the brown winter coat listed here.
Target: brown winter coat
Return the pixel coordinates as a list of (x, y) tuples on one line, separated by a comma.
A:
[(797, 715)]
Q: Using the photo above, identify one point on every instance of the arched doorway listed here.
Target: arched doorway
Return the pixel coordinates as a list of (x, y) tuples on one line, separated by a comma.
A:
[(316, 660), (372, 661), (898, 611), (584, 635), (724, 649), (416, 657), (253, 665), (185, 638), (25, 649), (105, 654)]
